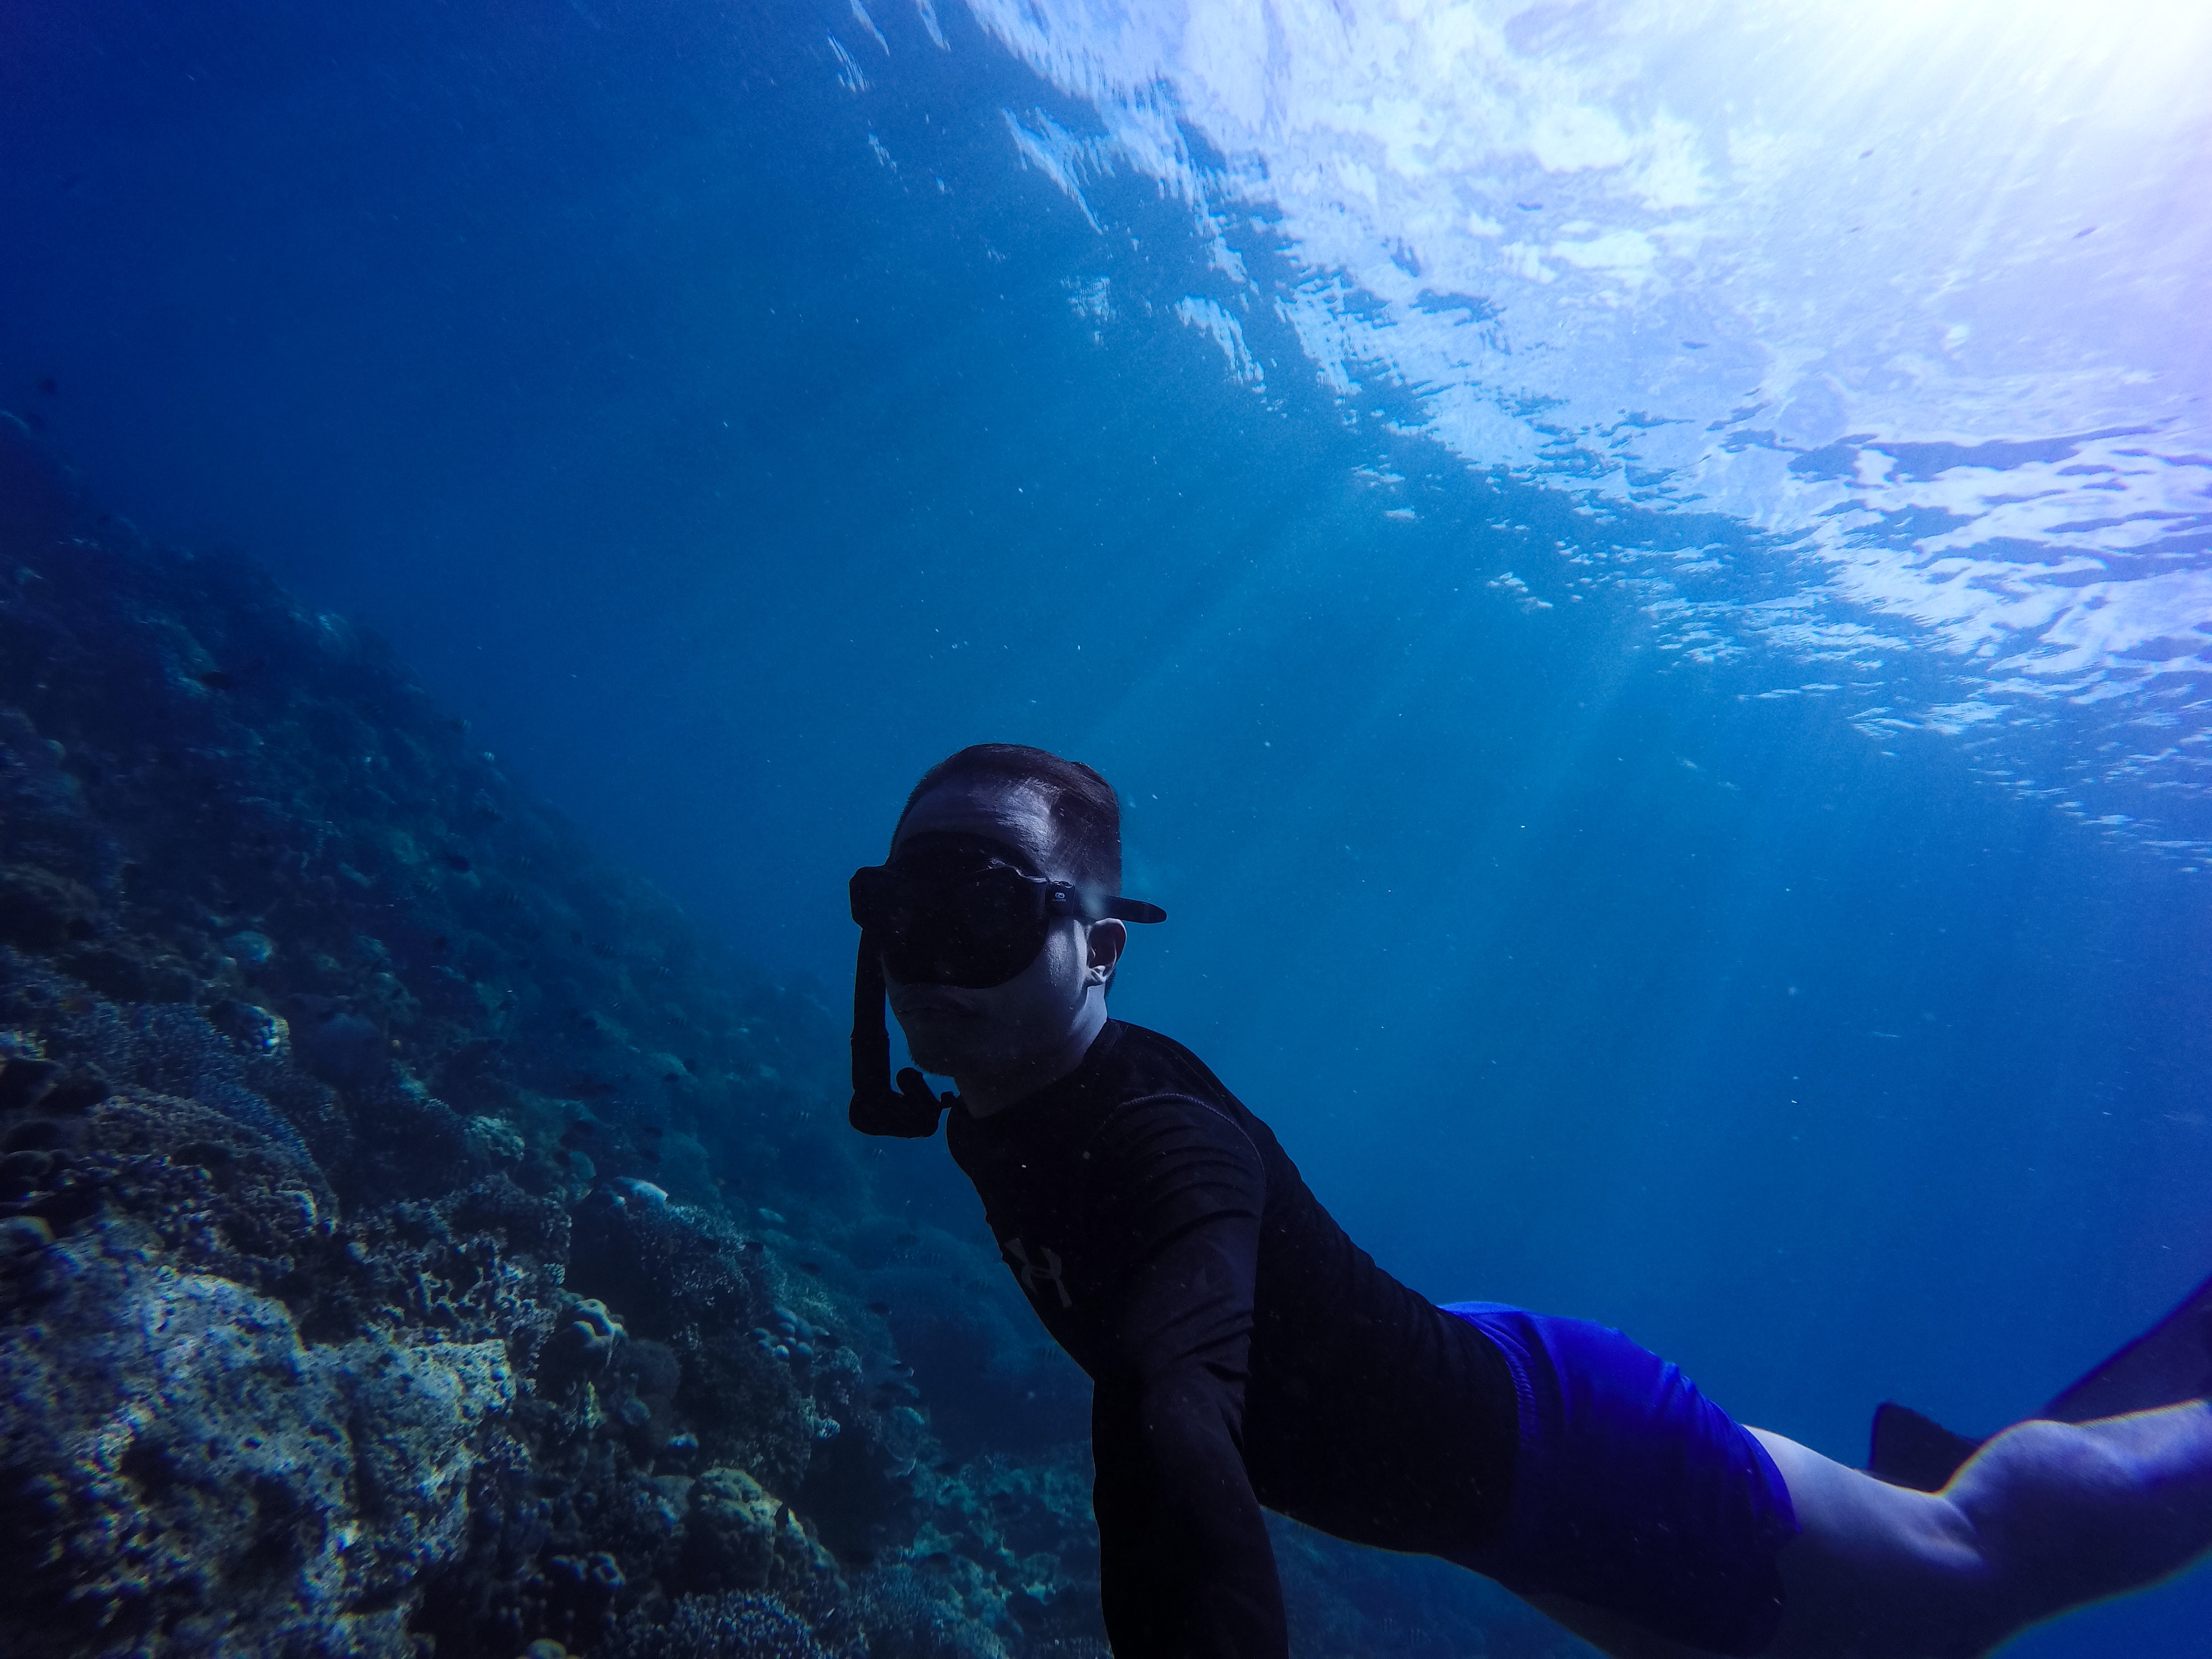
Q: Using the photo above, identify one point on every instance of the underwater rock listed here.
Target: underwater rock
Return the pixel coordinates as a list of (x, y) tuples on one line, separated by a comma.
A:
[(339, 1047), (720, 1627), (253, 1028), (42, 910), (251, 949), (739, 1536), (493, 1140), (180, 1468), (585, 1346)]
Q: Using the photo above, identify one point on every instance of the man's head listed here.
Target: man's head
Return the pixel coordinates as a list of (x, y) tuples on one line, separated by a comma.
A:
[(1080, 821), (1044, 818)]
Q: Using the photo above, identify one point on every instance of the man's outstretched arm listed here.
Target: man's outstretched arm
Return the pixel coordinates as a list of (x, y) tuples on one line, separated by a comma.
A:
[(1186, 1570)]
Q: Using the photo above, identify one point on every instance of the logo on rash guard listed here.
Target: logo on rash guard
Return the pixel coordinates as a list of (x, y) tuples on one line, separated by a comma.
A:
[(1029, 1272)]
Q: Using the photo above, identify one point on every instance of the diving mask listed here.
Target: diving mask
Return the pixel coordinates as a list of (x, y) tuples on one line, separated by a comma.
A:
[(960, 910)]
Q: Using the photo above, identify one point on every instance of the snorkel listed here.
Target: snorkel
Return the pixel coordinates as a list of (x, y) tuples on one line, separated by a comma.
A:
[(911, 1109), (954, 910)]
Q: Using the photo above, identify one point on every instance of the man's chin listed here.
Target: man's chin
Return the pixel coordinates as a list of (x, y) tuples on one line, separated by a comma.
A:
[(942, 1053)]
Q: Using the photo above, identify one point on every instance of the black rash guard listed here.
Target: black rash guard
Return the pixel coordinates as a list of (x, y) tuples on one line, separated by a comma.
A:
[(1244, 1350)]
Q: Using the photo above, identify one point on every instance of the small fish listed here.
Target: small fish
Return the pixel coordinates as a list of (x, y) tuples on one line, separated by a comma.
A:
[(644, 1191), (456, 861), (581, 1130), (880, 1308), (215, 680), (770, 1217)]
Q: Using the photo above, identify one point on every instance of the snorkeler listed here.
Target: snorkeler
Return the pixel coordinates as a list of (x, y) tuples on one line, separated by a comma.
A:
[(1245, 1354)]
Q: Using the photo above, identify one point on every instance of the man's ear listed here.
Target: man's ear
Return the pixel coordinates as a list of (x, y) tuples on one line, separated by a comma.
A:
[(1106, 939)]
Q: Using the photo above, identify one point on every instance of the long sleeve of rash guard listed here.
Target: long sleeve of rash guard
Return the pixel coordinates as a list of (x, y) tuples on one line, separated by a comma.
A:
[(1186, 1568)]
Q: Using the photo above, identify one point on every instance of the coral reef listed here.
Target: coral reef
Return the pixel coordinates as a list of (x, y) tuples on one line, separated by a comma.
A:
[(414, 1236)]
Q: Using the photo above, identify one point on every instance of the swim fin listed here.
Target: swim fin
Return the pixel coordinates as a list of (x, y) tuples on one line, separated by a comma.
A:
[(2169, 1362), (1916, 1451)]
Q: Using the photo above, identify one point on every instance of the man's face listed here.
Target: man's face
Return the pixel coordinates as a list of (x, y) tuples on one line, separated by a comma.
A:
[(953, 1030)]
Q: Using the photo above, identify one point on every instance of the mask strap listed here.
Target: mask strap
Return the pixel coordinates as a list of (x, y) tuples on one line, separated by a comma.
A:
[(911, 1113)]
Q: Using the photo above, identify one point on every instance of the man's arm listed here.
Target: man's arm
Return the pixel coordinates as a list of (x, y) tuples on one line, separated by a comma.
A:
[(1186, 1568)]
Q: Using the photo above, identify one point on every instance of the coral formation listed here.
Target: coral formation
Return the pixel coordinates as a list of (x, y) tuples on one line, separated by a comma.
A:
[(413, 1234)]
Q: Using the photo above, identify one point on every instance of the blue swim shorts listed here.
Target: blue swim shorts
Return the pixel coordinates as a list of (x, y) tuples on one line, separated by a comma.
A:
[(1633, 1492)]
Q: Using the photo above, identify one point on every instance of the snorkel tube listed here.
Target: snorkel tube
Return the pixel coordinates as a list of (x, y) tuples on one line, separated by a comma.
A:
[(910, 1111)]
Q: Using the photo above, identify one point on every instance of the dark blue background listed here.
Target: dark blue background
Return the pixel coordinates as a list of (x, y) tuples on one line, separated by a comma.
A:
[(725, 475)]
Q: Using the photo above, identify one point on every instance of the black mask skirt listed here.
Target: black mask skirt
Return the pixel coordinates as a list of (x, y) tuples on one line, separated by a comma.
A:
[(955, 912), (949, 909)]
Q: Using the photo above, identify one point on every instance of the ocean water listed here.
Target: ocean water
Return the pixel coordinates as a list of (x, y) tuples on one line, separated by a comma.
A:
[(1641, 569)]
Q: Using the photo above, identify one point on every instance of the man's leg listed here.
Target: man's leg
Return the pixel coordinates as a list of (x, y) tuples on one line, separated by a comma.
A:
[(2046, 1517), (1641, 1520)]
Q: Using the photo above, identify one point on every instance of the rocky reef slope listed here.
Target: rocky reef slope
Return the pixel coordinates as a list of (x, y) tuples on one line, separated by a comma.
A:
[(414, 1238)]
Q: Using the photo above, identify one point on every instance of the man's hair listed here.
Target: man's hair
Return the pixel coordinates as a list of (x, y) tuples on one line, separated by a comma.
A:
[(1087, 818)]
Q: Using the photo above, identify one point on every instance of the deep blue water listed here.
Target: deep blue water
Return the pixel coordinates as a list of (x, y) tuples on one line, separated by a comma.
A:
[(731, 415)]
